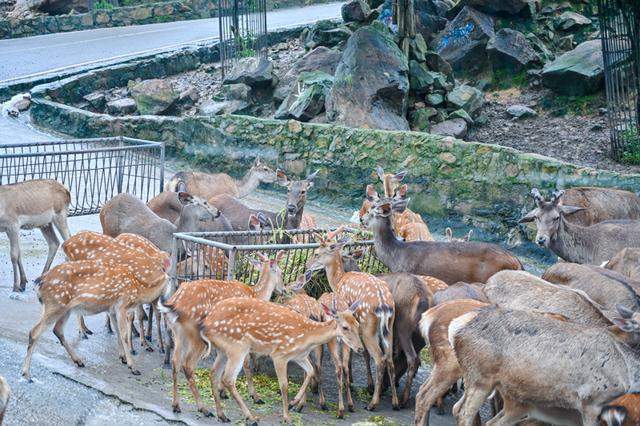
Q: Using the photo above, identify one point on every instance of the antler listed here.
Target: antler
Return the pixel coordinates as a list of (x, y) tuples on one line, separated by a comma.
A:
[(537, 197), (555, 197), (334, 234)]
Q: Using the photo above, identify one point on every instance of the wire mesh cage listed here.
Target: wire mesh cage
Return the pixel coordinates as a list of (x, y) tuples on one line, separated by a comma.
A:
[(94, 170), (224, 255), (243, 31), (620, 33)]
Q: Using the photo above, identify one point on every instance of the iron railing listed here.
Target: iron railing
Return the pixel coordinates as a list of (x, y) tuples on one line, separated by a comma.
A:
[(620, 33), (243, 30), (223, 255), (94, 170)]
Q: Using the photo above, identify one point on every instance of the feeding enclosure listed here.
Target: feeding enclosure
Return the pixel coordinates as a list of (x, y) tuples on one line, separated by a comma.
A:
[(620, 33), (243, 30), (94, 170), (224, 255)]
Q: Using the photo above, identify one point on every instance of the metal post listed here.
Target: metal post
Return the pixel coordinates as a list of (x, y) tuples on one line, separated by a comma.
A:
[(232, 264)]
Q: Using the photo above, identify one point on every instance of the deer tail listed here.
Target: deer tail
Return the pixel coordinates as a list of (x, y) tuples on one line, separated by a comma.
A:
[(613, 415), (384, 313), (204, 337)]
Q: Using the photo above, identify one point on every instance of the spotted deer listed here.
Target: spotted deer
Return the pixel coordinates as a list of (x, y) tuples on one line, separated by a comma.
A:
[(193, 301), (240, 326), (375, 314), (95, 286), (5, 393), (205, 185), (42, 204), (622, 411)]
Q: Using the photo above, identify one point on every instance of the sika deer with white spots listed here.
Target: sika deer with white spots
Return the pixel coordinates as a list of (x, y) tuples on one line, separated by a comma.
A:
[(193, 301), (241, 326), (32, 204), (376, 312)]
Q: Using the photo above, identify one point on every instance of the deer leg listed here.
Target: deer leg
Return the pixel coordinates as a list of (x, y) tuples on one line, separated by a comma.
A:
[(83, 329), (176, 360), (159, 329), (48, 317), (334, 351), (107, 324), (231, 370), (124, 332), (440, 381), (58, 330), (474, 398), (111, 319), (60, 222), (317, 353), (52, 242), (301, 397), (149, 333), (413, 362), (367, 365), (391, 369), (187, 368), (131, 327), (215, 375), (371, 343), (247, 368), (143, 340), (19, 278), (170, 343), (318, 377), (280, 366), (346, 364)]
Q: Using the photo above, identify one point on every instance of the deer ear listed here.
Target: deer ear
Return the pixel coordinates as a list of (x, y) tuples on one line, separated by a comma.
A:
[(566, 210), (326, 309), (372, 194), (255, 262), (257, 161), (281, 178), (400, 205), (400, 175), (312, 176), (380, 173), (624, 311), (449, 233), (254, 223), (181, 186), (185, 198), (626, 325), (469, 235), (529, 217)]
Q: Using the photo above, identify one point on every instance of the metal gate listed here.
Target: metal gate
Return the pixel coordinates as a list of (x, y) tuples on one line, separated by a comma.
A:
[(94, 170), (243, 30), (620, 33)]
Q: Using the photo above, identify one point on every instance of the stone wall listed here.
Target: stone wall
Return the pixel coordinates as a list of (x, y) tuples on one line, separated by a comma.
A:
[(121, 16), (487, 183)]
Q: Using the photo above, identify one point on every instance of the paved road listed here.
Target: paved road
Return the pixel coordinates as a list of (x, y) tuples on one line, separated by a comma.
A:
[(23, 57)]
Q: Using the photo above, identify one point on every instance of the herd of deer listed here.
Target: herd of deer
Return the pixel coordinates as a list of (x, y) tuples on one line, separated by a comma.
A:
[(561, 349)]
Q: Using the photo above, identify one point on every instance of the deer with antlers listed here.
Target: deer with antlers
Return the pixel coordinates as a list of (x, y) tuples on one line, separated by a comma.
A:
[(241, 326), (193, 301), (95, 286), (375, 314)]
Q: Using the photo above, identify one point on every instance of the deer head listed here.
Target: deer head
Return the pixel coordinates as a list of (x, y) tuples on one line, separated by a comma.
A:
[(328, 251), (263, 172), (347, 325), (270, 272), (627, 325), (297, 191), (547, 216), (196, 209)]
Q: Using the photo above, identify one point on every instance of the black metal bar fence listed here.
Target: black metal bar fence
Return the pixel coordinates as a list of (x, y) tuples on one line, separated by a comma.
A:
[(620, 34), (243, 30), (94, 170), (224, 255)]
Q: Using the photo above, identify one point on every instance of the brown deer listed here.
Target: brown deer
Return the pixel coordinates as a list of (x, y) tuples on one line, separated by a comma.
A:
[(460, 290), (376, 313), (241, 326), (574, 243), (474, 261), (92, 287), (42, 204), (600, 204), (434, 327), (627, 263), (5, 393), (205, 185), (622, 411), (193, 301)]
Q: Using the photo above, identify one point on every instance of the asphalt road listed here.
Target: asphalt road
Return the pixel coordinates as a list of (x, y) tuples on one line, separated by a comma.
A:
[(25, 57)]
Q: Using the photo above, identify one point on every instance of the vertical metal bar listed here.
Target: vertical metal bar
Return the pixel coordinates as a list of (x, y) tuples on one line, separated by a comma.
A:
[(232, 264)]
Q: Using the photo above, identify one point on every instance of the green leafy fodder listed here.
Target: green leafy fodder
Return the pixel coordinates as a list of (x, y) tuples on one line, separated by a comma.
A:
[(631, 153)]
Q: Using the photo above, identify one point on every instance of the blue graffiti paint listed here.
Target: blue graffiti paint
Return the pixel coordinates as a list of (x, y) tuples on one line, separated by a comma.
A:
[(457, 36)]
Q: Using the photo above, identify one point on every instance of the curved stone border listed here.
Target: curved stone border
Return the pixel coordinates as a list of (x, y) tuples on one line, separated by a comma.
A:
[(122, 16)]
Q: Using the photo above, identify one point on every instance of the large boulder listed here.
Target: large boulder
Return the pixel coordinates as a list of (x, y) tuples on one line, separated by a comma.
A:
[(511, 49), (513, 7), (463, 42), (577, 72), (28, 8), (319, 59), (325, 33), (122, 106), (307, 99), (467, 98), (571, 20), (430, 16), (456, 128), (256, 72), (355, 11), (370, 85), (213, 107), (153, 96)]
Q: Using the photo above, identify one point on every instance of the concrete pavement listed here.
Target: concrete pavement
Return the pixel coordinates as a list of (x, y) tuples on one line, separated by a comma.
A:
[(26, 57)]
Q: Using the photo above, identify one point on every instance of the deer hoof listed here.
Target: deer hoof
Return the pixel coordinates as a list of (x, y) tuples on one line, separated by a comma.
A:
[(149, 349), (206, 412), (371, 407), (79, 363), (250, 422), (395, 407), (134, 371), (123, 359), (134, 352), (351, 409), (223, 418), (176, 409), (324, 407), (258, 401), (341, 414), (148, 338)]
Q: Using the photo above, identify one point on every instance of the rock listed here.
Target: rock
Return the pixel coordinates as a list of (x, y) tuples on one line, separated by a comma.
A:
[(466, 97), (435, 62), (510, 49), (538, 45), (429, 17), (370, 85), (96, 100), (355, 11), (153, 96), (214, 107), (565, 43), (256, 72), (236, 92), (420, 79), (319, 59), (418, 48), (122, 106), (435, 99), (456, 128), (460, 113), (307, 99), (420, 119), (513, 7), (189, 96), (572, 20), (521, 111), (28, 8), (577, 72), (463, 42), (325, 33)]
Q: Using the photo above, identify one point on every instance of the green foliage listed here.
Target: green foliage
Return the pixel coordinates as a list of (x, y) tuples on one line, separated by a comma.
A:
[(505, 79), (163, 18), (572, 105), (103, 5), (425, 356), (631, 154)]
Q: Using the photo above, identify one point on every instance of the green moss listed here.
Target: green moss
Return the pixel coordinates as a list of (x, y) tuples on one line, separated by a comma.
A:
[(572, 105), (505, 79), (382, 421)]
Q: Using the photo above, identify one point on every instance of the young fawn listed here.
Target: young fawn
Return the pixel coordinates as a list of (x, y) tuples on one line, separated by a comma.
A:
[(241, 326), (376, 313), (193, 302), (95, 286)]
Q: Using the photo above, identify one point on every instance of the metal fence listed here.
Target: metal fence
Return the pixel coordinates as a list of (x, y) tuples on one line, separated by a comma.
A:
[(224, 255), (243, 30), (620, 33), (94, 170)]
